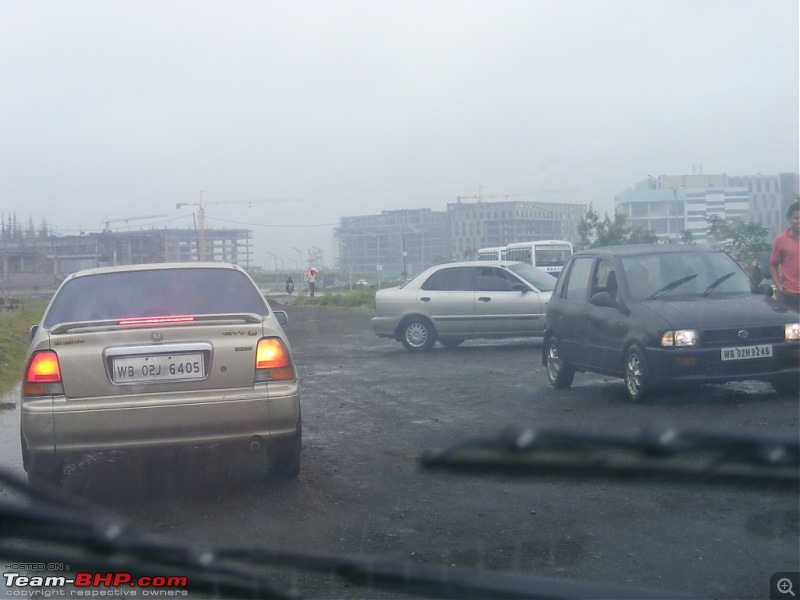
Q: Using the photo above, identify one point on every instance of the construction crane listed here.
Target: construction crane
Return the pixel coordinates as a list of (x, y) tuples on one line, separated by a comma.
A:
[(108, 221), (480, 197), (201, 217)]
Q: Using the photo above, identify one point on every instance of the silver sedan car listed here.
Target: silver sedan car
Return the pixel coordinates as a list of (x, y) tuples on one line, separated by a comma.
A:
[(159, 356), (457, 301)]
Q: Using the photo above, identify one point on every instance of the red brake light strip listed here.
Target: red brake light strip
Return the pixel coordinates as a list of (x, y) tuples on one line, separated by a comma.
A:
[(154, 320)]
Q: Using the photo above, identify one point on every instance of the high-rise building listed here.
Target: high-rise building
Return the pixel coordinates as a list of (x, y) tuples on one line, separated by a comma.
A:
[(476, 225), (670, 205), (394, 242), (406, 241), (770, 197)]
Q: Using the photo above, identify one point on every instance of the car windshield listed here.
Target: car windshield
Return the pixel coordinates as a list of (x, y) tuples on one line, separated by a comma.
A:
[(682, 275), (548, 256), (162, 292), (265, 264), (537, 278)]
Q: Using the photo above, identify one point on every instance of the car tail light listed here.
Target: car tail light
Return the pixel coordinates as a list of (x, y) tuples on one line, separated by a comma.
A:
[(273, 362), (43, 375)]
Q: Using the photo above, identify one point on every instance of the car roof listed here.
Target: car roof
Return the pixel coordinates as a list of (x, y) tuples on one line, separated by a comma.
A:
[(154, 267), (639, 249), (477, 263)]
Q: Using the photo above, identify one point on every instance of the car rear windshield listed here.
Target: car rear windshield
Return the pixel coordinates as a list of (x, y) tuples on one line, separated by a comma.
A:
[(159, 292)]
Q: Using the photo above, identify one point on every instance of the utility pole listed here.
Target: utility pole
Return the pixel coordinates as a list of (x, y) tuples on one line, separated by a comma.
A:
[(201, 217)]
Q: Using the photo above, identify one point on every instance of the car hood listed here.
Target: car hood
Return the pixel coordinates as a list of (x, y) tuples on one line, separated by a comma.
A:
[(721, 311)]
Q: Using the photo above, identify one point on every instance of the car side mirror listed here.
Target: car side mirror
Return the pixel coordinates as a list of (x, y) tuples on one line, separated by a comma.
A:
[(521, 287), (282, 317), (603, 299), (34, 329), (766, 289)]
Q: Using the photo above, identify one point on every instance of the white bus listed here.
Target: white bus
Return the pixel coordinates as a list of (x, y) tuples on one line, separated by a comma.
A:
[(491, 253), (547, 255)]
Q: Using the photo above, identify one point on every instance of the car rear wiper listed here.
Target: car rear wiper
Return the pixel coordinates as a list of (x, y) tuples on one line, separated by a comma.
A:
[(671, 286), (718, 282), (734, 459), (44, 526)]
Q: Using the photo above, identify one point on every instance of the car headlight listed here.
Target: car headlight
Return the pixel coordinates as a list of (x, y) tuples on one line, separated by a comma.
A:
[(681, 338), (792, 331)]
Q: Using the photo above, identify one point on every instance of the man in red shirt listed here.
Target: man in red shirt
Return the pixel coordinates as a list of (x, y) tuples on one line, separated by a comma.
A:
[(786, 255)]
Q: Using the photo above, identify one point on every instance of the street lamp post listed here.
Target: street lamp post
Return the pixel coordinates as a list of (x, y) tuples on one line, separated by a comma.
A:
[(300, 261), (405, 261), (276, 259), (378, 266), (421, 233)]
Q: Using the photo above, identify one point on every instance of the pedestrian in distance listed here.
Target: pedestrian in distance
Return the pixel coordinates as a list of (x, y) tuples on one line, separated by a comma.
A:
[(311, 279), (784, 262)]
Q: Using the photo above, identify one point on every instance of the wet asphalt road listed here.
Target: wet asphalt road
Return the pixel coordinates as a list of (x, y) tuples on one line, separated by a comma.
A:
[(370, 409)]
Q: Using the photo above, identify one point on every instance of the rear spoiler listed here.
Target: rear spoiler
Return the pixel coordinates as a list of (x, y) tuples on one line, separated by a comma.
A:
[(145, 322)]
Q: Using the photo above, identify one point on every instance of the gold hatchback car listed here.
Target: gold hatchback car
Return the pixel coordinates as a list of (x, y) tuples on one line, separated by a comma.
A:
[(150, 357)]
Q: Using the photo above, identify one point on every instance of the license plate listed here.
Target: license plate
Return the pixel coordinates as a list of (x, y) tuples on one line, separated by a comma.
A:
[(158, 367), (747, 352)]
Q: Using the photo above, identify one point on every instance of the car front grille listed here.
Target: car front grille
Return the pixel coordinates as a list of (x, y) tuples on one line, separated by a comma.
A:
[(753, 335)]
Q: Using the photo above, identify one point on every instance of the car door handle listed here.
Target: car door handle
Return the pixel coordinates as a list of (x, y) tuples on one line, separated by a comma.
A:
[(484, 299), (425, 299)]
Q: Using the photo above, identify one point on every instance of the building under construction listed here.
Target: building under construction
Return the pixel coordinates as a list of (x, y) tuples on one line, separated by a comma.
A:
[(39, 261)]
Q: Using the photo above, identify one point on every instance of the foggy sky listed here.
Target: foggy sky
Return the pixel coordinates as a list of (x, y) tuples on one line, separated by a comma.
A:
[(115, 109)]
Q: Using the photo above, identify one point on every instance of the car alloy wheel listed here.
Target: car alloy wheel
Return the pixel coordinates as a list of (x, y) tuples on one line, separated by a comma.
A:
[(559, 373), (285, 464), (418, 335), (636, 376)]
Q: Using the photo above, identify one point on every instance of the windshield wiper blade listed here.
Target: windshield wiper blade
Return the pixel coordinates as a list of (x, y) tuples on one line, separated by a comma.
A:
[(667, 455), (671, 286), (718, 282), (45, 525), (41, 526)]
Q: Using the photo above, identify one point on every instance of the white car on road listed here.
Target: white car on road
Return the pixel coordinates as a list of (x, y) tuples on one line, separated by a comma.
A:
[(452, 302)]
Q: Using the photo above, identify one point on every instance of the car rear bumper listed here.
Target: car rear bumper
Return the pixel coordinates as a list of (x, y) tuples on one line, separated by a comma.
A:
[(56, 424), (384, 326), (706, 365)]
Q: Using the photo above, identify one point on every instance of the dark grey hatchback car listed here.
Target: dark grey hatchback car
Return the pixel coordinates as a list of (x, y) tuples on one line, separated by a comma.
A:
[(667, 315)]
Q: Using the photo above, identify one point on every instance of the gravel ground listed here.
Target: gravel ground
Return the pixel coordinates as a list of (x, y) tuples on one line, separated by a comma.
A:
[(369, 411)]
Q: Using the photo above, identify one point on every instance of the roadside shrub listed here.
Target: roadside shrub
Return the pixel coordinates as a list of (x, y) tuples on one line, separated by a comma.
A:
[(16, 325), (360, 298)]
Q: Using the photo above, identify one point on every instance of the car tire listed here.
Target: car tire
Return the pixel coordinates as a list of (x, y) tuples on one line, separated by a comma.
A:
[(560, 373), (451, 343), (789, 385), (284, 456), (417, 334), (42, 468), (637, 374)]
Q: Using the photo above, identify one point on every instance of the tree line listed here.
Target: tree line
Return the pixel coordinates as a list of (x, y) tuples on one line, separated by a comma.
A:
[(745, 242)]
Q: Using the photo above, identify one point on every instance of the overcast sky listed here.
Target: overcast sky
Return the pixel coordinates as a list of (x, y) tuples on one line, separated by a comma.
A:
[(121, 109)]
